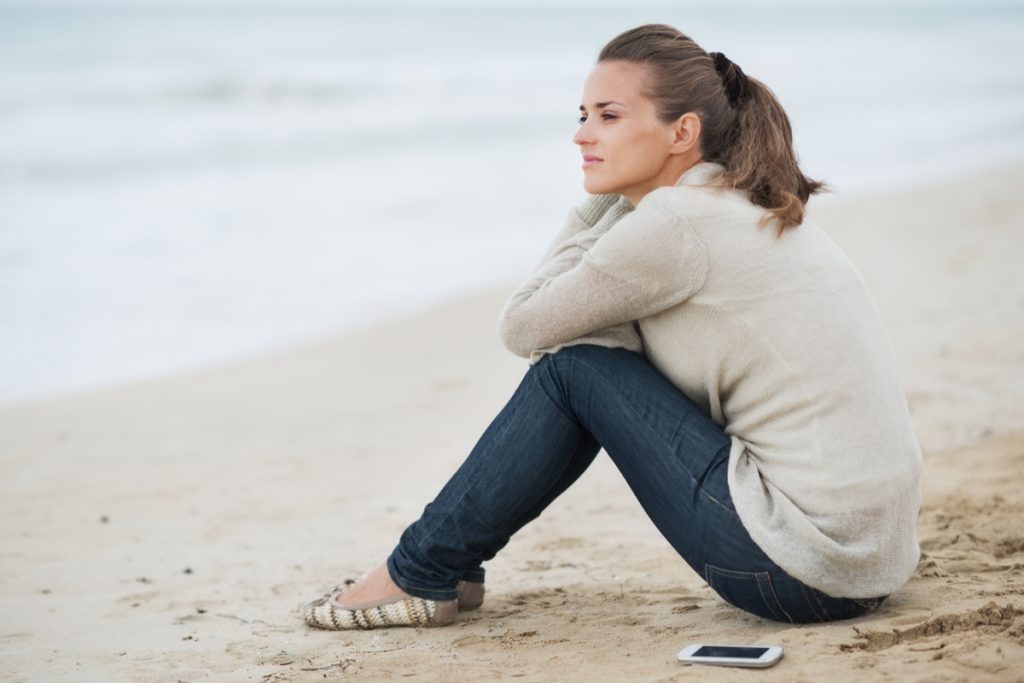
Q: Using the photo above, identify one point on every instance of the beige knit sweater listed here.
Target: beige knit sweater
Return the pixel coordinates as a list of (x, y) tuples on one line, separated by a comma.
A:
[(776, 339)]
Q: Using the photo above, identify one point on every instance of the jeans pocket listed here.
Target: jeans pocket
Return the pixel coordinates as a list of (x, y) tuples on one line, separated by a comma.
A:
[(750, 591)]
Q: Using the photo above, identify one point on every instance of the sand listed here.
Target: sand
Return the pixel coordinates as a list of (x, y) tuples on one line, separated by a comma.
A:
[(169, 530)]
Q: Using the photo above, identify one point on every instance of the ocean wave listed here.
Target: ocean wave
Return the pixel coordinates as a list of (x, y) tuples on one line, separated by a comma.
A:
[(459, 138), (217, 177)]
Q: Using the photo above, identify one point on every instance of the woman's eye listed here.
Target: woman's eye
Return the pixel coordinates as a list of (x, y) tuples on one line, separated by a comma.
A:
[(606, 117)]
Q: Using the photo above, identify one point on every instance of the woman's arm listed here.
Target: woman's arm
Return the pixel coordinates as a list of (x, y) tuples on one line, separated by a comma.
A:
[(648, 261), (580, 219), (579, 234)]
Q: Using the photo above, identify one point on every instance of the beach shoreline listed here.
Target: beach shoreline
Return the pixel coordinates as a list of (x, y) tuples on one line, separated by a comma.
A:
[(187, 184), (168, 530)]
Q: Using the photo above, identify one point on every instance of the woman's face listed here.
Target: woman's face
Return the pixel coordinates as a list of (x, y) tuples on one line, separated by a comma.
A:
[(626, 148)]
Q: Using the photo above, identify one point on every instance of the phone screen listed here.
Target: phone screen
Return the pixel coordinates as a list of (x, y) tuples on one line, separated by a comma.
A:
[(725, 651)]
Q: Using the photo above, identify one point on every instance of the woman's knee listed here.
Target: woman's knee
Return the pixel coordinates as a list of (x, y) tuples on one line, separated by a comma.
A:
[(574, 369), (591, 356)]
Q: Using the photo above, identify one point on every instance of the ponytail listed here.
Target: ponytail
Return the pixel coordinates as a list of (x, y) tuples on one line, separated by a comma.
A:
[(760, 158)]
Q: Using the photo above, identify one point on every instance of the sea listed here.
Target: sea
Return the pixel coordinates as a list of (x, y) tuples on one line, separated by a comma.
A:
[(186, 185)]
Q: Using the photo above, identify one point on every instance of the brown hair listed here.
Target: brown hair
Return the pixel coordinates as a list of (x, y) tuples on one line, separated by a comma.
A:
[(751, 137)]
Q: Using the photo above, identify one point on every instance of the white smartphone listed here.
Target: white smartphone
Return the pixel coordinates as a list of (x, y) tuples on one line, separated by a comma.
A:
[(756, 656)]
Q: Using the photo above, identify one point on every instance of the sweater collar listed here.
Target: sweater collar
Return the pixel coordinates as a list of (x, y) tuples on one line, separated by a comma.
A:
[(700, 174)]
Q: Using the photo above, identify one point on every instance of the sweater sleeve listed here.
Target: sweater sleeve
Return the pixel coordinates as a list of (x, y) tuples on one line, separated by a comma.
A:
[(648, 261), (580, 219)]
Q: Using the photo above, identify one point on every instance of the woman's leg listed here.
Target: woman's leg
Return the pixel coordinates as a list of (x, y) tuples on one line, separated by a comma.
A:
[(531, 453), (672, 456), (535, 448)]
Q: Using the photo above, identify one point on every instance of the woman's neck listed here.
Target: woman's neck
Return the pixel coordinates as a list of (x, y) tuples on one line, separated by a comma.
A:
[(669, 175)]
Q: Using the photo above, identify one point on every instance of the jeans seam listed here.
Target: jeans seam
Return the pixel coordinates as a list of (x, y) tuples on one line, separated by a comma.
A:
[(558, 404), (640, 419), (774, 607), (447, 515), (812, 601), (720, 503), (579, 439), (774, 597), (668, 444), (505, 427)]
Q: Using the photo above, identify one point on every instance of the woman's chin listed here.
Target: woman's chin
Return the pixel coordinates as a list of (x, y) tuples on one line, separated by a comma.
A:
[(594, 186)]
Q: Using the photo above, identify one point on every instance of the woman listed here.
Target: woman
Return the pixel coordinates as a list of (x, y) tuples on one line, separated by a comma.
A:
[(724, 353)]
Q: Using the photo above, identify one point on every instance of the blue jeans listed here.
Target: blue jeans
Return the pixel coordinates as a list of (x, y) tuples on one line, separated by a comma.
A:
[(674, 458)]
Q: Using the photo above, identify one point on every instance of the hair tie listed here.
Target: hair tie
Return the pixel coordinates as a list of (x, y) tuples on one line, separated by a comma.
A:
[(733, 78)]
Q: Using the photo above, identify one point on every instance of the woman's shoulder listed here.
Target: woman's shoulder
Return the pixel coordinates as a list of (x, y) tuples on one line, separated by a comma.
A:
[(731, 226), (703, 205)]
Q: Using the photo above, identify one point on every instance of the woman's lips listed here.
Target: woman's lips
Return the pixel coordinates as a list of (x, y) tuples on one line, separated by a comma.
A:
[(590, 160)]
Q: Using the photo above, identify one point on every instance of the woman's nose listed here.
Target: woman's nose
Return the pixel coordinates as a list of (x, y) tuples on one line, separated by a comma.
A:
[(582, 135)]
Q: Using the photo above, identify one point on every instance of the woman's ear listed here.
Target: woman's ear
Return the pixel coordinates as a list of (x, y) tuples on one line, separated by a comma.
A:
[(685, 133)]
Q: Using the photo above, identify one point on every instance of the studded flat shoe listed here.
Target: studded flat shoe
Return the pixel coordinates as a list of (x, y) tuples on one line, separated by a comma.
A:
[(399, 610)]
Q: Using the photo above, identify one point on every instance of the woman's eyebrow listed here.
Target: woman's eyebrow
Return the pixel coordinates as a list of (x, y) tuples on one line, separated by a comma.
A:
[(602, 105)]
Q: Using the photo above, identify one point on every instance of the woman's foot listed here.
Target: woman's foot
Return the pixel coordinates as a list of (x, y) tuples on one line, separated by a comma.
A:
[(471, 595), (375, 586), (375, 601)]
